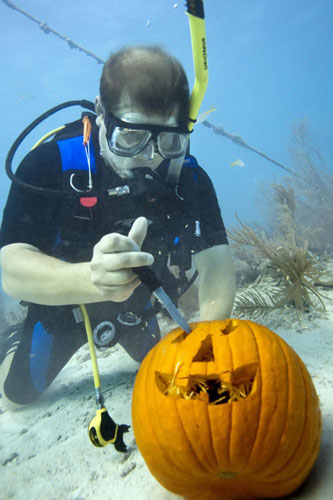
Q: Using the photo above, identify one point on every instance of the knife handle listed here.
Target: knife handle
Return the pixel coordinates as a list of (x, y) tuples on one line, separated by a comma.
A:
[(148, 277)]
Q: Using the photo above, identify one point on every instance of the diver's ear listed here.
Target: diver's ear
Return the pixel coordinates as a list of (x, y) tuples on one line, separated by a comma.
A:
[(100, 111)]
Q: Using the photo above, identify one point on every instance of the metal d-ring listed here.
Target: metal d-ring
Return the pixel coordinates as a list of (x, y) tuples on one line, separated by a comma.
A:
[(77, 189)]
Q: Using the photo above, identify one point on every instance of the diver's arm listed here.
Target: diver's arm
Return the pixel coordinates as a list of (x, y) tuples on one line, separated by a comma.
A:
[(217, 284), (30, 275)]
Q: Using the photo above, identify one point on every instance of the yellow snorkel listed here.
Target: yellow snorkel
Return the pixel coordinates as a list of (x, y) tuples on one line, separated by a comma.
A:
[(196, 18), (195, 11)]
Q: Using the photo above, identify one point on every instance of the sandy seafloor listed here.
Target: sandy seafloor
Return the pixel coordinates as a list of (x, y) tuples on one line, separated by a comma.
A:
[(45, 451)]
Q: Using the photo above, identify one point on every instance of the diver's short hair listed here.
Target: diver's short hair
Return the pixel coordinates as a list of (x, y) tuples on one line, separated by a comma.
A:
[(152, 78)]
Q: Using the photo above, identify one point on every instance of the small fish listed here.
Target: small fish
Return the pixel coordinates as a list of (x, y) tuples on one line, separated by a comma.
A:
[(202, 116), (175, 5), (238, 162), (148, 23)]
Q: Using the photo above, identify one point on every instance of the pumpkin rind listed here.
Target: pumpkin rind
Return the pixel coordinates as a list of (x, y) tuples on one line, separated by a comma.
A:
[(260, 446)]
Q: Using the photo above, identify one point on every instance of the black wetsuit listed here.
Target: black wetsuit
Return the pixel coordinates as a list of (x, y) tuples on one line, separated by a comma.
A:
[(68, 229)]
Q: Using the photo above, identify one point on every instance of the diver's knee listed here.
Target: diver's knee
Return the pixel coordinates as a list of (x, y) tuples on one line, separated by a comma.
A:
[(10, 405), (4, 370)]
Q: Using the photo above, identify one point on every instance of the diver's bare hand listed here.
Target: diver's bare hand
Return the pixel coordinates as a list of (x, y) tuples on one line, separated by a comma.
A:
[(114, 257)]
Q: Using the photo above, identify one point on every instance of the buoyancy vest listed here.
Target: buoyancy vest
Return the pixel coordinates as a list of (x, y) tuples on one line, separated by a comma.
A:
[(90, 215)]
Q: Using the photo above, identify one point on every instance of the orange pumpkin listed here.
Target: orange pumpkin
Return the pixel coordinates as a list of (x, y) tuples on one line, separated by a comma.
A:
[(228, 412)]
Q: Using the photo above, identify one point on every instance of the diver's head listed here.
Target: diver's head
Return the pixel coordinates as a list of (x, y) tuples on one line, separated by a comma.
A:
[(147, 88)]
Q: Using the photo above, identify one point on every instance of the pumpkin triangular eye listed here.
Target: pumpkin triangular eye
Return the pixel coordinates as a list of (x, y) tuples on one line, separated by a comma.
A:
[(205, 352)]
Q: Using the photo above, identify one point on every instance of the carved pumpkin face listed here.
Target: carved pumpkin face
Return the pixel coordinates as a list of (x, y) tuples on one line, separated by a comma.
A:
[(228, 411)]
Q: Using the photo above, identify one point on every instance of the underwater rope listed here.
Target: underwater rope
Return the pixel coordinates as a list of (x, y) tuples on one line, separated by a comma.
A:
[(219, 130), (237, 139), (44, 27)]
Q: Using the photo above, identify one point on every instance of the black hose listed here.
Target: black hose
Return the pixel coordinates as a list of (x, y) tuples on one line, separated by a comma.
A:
[(9, 160)]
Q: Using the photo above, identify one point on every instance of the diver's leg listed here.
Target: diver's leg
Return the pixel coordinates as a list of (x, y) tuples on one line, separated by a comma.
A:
[(36, 352), (4, 370), (13, 377), (138, 340)]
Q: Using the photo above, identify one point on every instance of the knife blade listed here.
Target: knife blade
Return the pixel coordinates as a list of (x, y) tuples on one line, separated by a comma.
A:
[(149, 278)]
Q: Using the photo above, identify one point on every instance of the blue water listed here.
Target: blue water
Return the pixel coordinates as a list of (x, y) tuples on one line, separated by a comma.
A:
[(269, 66)]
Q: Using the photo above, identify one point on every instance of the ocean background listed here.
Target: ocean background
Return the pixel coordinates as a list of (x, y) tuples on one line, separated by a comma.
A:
[(270, 67)]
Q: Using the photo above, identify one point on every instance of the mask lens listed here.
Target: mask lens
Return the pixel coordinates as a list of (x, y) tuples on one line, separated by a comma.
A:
[(128, 142), (172, 144)]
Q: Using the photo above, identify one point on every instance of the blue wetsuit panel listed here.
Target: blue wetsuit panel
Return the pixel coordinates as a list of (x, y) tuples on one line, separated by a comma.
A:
[(40, 352), (73, 154)]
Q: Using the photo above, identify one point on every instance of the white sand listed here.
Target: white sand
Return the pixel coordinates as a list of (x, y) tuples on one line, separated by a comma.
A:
[(45, 451)]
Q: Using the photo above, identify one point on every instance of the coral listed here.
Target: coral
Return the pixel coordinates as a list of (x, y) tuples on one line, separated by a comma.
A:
[(300, 223), (307, 195), (290, 273)]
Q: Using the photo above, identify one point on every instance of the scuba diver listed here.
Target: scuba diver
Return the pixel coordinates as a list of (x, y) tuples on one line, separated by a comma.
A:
[(131, 195)]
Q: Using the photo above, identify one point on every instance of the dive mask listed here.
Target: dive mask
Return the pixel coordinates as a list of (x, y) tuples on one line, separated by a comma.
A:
[(129, 139)]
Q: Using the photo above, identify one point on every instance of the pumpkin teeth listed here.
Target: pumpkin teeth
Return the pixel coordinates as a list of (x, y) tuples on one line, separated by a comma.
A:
[(212, 388)]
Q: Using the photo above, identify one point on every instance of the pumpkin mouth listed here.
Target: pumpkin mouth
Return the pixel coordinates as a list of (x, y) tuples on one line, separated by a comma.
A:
[(211, 389), (228, 386)]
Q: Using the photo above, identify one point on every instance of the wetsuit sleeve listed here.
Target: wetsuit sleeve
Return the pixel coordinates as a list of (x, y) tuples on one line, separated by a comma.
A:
[(207, 210), (31, 217)]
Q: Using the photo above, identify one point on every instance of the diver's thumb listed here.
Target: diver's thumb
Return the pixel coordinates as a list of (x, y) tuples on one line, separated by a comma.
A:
[(138, 231)]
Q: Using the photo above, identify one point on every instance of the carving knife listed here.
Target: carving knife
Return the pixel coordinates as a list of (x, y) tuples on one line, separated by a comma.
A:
[(149, 278)]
